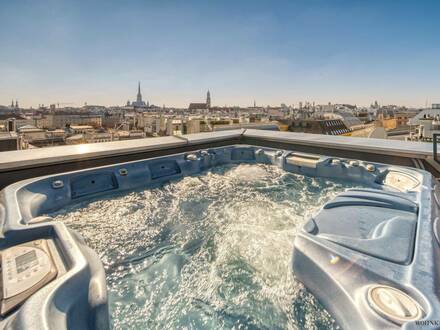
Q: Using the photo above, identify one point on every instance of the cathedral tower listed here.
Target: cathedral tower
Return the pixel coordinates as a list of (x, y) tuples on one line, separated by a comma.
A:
[(208, 100), (139, 95)]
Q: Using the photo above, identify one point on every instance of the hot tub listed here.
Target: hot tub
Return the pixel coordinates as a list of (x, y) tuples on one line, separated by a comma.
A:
[(204, 239)]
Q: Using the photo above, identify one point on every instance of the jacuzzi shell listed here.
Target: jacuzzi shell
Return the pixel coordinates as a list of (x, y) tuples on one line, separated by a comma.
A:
[(78, 298)]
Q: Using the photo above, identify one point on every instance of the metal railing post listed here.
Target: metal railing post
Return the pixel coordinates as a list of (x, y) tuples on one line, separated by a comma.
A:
[(434, 145)]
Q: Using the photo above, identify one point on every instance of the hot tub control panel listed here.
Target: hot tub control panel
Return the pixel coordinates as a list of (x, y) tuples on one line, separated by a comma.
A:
[(25, 269)]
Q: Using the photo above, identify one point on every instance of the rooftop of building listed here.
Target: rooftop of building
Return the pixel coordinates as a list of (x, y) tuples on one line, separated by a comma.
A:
[(8, 135), (77, 127), (5, 116), (197, 106)]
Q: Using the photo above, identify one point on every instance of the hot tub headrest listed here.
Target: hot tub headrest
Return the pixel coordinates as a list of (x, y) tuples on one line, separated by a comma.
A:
[(373, 222), (370, 197)]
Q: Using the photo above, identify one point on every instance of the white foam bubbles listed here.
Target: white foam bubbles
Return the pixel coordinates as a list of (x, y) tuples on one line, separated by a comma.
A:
[(208, 251)]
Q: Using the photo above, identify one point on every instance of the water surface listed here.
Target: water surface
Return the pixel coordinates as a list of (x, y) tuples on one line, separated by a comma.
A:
[(211, 251)]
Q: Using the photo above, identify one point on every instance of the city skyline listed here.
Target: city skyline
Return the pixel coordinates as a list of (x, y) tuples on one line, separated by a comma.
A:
[(339, 52)]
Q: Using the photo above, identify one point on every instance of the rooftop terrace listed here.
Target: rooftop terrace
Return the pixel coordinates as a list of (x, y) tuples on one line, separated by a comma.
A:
[(19, 165)]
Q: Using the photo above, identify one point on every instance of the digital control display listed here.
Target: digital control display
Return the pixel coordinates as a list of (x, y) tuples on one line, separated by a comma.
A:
[(26, 261), (25, 269)]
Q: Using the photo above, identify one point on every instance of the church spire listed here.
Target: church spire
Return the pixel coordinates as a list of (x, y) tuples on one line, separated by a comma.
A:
[(139, 95), (208, 99)]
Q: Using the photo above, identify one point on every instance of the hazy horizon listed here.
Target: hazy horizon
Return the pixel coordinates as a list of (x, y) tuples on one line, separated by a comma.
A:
[(59, 51)]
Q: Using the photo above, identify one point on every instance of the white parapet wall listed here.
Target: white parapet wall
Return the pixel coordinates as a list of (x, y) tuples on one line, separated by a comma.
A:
[(18, 165)]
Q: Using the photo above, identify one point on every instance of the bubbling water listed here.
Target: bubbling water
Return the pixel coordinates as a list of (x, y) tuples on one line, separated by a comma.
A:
[(208, 251)]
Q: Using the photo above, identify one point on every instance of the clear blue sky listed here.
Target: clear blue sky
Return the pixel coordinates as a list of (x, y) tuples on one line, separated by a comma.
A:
[(271, 51)]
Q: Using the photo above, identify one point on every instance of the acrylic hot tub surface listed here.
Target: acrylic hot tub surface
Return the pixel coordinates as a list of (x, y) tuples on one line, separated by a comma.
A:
[(189, 242), (207, 251)]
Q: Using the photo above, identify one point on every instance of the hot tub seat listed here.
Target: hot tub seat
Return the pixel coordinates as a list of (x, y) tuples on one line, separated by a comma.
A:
[(378, 224)]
